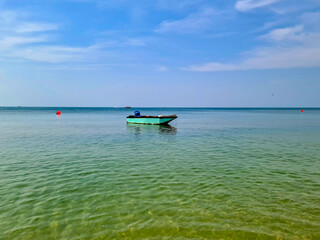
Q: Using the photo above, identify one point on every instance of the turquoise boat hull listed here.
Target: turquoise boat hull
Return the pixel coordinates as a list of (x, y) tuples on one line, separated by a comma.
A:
[(151, 120)]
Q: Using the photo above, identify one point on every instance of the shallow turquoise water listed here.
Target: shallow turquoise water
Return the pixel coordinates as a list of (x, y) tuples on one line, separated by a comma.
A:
[(214, 174)]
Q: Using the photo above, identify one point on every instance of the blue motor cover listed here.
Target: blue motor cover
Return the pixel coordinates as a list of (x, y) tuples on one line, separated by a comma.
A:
[(137, 114)]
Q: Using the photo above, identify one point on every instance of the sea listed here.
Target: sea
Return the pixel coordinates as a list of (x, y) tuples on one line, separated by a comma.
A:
[(213, 173)]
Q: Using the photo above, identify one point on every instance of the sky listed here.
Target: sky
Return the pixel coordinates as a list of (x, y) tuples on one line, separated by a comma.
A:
[(173, 53)]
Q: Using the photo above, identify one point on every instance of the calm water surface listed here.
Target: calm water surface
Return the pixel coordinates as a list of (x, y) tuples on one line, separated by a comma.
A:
[(212, 174)]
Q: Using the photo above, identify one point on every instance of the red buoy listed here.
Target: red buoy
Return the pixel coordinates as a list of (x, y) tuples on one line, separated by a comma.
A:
[(301, 110), (58, 113)]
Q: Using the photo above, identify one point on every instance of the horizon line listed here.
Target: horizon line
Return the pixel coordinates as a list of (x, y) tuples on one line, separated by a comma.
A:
[(124, 107)]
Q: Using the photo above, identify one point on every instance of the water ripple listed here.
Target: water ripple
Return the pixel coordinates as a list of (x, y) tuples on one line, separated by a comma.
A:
[(227, 177)]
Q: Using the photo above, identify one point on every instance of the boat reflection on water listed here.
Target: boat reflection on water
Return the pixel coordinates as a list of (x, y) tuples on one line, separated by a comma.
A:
[(138, 129)]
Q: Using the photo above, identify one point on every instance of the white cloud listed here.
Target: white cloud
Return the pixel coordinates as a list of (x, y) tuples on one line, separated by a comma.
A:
[(8, 42), (268, 58), (20, 40), (28, 27), (291, 34), (52, 54), (304, 51), (15, 22), (24, 38), (295, 6), (195, 22), (16, 31), (269, 25), (247, 5)]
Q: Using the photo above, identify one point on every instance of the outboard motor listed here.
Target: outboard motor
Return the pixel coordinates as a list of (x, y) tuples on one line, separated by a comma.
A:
[(137, 114)]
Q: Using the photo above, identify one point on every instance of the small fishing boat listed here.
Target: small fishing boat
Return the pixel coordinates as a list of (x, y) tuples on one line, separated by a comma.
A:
[(155, 120)]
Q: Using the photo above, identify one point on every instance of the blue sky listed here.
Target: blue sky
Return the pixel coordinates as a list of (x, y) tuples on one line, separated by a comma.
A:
[(199, 53)]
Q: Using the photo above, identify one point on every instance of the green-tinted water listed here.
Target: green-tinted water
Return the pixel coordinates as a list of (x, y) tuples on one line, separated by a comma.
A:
[(215, 174)]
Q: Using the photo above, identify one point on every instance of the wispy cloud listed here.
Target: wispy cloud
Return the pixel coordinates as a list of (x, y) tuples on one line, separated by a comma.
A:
[(15, 29), (195, 22), (54, 54), (247, 5), (295, 46), (8, 42), (295, 6), (28, 27), (268, 58), (16, 22), (290, 34), (20, 39), (292, 47)]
